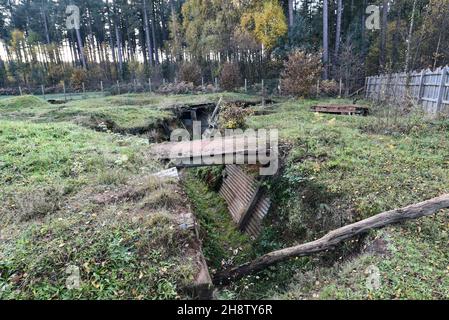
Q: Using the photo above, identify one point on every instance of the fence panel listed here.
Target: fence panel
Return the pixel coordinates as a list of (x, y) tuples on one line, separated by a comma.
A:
[(428, 88)]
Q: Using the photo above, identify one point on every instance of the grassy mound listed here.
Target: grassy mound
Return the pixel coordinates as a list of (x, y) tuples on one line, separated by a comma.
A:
[(131, 113), (23, 102), (81, 203)]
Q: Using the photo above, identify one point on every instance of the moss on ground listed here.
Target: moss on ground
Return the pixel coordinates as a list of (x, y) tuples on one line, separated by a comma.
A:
[(223, 244)]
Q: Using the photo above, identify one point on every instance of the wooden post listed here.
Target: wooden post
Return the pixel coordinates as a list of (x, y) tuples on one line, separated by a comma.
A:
[(246, 85), (318, 88), (341, 88), (263, 93), (65, 93), (421, 86), (380, 89), (441, 89), (163, 81), (84, 89), (394, 91), (216, 83), (202, 82), (20, 90), (367, 81), (118, 87), (43, 90), (101, 86), (149, 83)]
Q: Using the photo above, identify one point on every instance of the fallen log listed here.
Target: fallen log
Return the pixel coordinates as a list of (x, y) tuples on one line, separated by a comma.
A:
[(334, 237)]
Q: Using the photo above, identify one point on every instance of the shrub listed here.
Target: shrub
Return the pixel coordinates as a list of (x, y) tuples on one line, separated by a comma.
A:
[(177, 88), (78, 77), (301, 73), (230, 77), (190, 73), (329, 88), (233, 116)]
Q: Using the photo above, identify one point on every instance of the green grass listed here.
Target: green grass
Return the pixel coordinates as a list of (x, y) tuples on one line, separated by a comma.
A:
[(60, 96), (341, 172), (34, 156), (415, 266), (343, 169), (77, 198), (118, 115), (115, 261), (130, 113), (72, 197), (223, 244)]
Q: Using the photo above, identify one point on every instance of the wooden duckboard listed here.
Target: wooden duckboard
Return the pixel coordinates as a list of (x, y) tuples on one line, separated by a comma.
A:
[(341, 109)]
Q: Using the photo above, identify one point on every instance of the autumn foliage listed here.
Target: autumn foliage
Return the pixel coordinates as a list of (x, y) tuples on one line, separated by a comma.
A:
[(267, 22), (233, 116), (301, 73), (329, 88), (190, 73), (79, 76)]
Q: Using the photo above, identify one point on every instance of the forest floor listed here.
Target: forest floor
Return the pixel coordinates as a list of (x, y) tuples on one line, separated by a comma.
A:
[(57, 176)]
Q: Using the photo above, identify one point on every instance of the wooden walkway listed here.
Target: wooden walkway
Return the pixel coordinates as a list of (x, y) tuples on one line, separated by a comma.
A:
[(341, 109), (219, 148)]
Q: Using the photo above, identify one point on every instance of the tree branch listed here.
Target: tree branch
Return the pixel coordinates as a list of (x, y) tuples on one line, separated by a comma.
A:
[(335, 237)]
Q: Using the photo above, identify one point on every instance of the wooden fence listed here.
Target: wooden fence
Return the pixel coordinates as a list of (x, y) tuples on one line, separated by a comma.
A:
[(428, 88)]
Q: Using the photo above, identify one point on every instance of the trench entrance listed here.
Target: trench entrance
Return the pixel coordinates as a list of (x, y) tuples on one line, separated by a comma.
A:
[(229, 202), (201, 113)]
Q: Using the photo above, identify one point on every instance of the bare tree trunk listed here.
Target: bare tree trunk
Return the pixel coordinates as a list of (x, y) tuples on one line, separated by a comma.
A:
[(119, 49), (338, 31), (93, 53), (396, 39), (147, 32), (80, 48), (44, 19), (326, 38), (153, 33), (363, 31), (335, 237), (437, 52), (111, 35), (290, 14), (409, 38), (383, 36)]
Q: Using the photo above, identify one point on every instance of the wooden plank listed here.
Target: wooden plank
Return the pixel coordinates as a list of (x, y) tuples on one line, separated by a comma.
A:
[(441, 89), (247, 211), (206, 147), (340, 109), (421, 86)]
